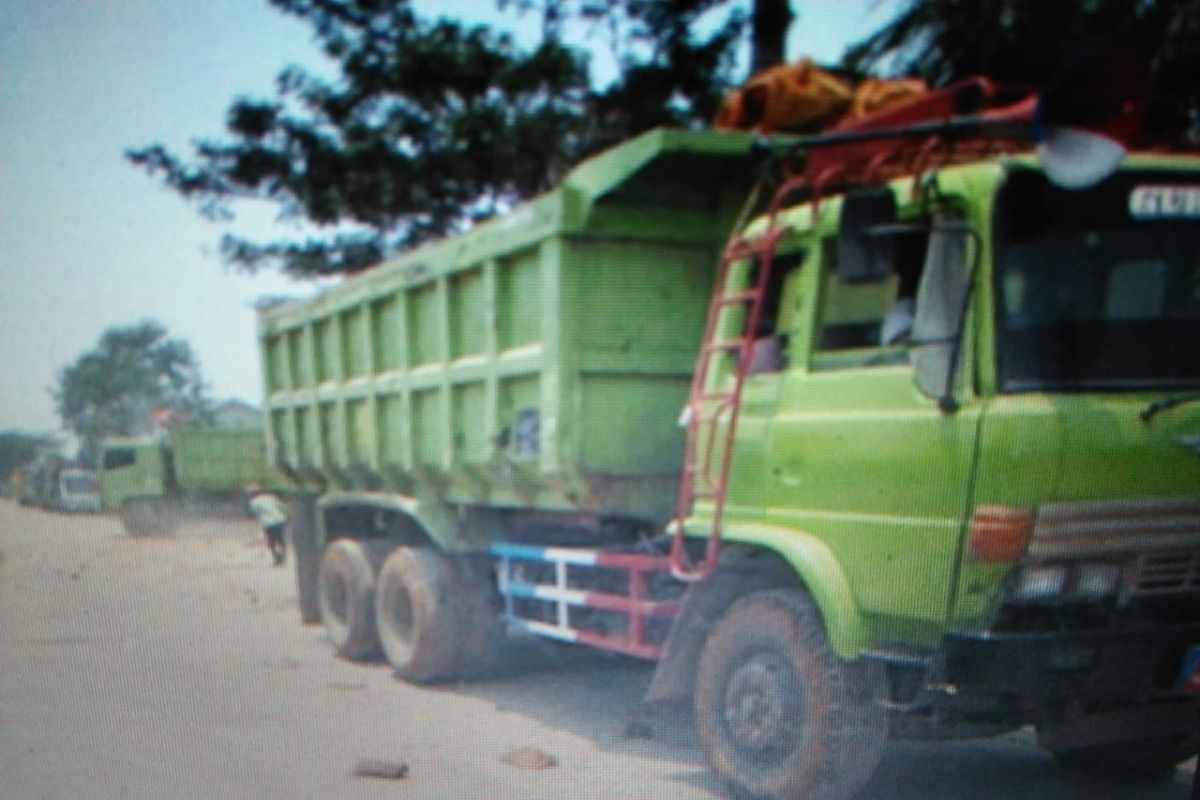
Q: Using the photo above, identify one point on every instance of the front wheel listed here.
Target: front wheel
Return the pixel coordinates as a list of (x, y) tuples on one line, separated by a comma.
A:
[(779, 714)]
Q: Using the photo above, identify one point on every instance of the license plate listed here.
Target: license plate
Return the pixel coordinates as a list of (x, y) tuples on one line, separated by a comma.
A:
[(1189, 675)]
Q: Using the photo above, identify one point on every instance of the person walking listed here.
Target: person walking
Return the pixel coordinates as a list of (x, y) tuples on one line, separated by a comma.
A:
[(270, 513)]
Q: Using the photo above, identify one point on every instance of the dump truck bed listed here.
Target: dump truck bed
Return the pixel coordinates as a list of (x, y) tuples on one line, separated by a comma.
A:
[(540, 360), (219, 459)]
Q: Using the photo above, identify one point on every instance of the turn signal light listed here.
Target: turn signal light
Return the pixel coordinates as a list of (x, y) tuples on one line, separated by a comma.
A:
[(999, 533)]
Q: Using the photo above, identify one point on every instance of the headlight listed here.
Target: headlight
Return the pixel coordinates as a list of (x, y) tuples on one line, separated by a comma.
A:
[(1094, 581), (1039, 583)]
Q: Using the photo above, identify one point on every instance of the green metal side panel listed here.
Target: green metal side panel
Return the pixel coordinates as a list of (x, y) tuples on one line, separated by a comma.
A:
[(218, 459), (540, 360)]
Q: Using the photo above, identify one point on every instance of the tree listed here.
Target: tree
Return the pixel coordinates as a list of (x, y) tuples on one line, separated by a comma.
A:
[(114, 389), (770, 23), (435, 124), (1024, 42)]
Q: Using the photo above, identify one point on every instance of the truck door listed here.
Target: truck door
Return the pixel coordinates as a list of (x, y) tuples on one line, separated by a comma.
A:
[(858, 456), (760, 393)]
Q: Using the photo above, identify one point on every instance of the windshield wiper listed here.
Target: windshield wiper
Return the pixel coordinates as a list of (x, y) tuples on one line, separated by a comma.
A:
[(1170, 401)]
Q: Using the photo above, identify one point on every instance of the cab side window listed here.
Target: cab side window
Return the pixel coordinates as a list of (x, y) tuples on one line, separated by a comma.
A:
[(862, 323)]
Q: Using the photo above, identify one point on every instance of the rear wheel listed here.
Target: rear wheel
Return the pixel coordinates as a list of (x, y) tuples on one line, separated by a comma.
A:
[(346, 596), (779, 714), (480, 630), (147, 516), (1139, 760), (420, 622)]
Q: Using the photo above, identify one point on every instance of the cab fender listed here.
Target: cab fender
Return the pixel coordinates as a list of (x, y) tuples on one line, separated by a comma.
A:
[(758, 558)]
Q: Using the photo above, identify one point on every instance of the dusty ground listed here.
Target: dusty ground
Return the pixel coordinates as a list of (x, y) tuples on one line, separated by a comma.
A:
[(179, 669)]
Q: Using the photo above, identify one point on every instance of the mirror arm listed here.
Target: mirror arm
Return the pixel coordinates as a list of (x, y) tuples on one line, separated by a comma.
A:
[(947, 403)]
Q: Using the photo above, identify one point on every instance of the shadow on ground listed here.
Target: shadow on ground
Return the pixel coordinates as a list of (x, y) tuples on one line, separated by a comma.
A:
[(598, 696)]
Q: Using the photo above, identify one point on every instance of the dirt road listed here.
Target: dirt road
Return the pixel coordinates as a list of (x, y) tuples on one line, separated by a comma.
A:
[(178, 669)]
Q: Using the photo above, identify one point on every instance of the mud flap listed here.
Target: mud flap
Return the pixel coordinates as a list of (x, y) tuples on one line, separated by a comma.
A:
[(302, 527)]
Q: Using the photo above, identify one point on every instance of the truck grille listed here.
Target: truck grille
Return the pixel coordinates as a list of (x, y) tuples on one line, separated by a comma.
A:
[(1156, 540), (1141, 527), (1167, 574)]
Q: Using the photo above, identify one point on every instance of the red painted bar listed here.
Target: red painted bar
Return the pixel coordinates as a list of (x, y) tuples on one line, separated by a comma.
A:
[(639, 561), (639, 649), (616, 602)]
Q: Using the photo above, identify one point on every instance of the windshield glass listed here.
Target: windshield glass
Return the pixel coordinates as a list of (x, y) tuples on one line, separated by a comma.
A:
[(1098, 288)]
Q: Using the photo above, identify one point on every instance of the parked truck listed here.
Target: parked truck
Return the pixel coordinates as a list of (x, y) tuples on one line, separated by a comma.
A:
[(154, 482), (54, 483), (940, 444)]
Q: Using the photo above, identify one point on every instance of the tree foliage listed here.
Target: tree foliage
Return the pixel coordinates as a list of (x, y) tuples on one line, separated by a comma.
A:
[(113, 389), (1025, 41), (432, 124)]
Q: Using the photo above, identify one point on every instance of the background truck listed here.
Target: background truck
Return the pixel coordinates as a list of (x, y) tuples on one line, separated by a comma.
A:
[(940, 472), (155, 482), (54, 483)]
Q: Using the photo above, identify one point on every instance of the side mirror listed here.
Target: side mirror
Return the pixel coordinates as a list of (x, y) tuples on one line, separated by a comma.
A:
[(943, 297), (866, 248)]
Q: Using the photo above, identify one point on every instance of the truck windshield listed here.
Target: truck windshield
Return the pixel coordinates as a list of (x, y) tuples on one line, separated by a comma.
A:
[(118, 457), (1098, 289)]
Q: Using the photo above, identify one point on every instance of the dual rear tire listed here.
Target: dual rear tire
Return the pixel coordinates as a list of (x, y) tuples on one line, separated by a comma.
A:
[(432, 615), (436, 615), (346, 595)]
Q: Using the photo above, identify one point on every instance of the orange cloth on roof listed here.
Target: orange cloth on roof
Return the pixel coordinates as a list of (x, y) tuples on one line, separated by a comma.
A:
[(787, 97), (802, 98), (876, 94)]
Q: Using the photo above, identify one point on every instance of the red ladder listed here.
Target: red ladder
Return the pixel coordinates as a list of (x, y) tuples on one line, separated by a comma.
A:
[(709, 445)]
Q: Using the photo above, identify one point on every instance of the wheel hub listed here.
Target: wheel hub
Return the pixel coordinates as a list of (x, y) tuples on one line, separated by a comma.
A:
[(763, 706)]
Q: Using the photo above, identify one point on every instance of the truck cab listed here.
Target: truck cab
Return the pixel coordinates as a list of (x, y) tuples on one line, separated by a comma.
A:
[(979, 447), (132, 468)]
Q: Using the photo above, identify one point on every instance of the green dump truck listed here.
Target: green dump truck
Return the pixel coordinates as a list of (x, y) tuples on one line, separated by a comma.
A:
[(155, 482), (939, 448)]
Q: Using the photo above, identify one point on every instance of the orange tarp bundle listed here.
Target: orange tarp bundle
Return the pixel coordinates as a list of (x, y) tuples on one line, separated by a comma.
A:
[(802, 98)]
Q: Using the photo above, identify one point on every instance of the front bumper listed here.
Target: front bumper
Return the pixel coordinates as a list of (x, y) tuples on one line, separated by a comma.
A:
[(1100, 669)]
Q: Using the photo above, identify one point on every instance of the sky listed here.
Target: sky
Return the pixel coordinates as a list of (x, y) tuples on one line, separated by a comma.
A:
[(88, 242)]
